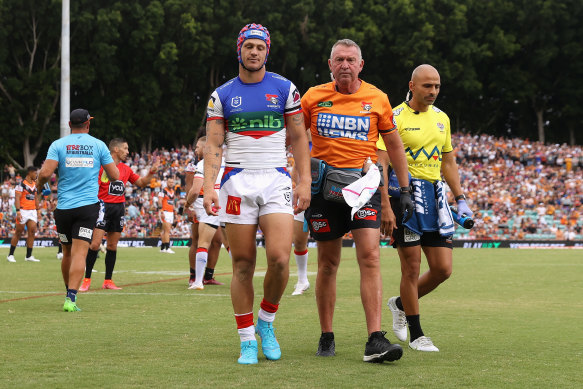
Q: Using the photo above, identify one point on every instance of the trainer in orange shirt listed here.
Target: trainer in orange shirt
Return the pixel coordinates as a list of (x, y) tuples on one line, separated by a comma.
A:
[(345, 118)]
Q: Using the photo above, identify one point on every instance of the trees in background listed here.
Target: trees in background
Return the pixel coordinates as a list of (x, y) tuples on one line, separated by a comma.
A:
[(145, 68)]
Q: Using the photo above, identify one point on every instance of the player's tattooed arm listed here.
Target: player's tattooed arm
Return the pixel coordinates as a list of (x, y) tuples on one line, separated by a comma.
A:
[(213, 150), (298, 120), (299, 143)]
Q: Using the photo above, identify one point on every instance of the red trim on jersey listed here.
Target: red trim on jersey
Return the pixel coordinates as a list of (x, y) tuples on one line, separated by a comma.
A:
[(292, 113), (257, 134), (213, 118)]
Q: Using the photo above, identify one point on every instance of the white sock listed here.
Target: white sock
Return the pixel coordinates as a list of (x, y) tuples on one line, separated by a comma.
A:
[(266, 316), (201, 259), (246, 334), (302, 262)]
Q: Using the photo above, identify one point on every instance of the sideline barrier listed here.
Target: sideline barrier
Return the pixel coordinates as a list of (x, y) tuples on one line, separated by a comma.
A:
[(473, 244)]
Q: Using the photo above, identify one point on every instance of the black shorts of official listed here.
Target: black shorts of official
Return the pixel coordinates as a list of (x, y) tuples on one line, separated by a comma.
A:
[(114, 217), (404, 237), (76, 223), (330, 220)]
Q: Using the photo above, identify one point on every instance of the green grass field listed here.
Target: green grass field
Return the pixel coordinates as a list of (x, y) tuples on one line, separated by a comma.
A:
[(506, 318)]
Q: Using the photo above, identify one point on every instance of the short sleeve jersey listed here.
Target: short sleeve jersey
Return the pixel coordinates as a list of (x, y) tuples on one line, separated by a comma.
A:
[(114, 191), (199, 173), (345, 128), (167, 196), (79, 157), (426, 136), (27, 192), (254, 115), (190, 167)]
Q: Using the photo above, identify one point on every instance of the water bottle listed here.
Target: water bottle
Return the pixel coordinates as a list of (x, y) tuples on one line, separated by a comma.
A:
[(463, 220)]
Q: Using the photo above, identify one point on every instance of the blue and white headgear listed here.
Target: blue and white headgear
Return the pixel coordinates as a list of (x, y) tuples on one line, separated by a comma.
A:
[(253, 31)]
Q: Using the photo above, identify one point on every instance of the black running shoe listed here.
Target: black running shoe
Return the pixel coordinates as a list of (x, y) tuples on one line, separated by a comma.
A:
[(326, 346), (378, 349)]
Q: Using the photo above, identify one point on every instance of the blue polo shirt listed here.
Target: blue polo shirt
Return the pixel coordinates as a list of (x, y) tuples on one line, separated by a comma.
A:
[(79, 157)]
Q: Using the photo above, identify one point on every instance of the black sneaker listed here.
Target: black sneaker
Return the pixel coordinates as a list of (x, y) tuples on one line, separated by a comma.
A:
[(326, 346), (378, 349)]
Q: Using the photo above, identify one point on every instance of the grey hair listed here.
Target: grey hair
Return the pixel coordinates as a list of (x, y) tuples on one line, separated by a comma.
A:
[(349, 43)]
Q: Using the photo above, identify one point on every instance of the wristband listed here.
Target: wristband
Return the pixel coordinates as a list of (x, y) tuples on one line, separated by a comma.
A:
[(460, 197), (405, 189)]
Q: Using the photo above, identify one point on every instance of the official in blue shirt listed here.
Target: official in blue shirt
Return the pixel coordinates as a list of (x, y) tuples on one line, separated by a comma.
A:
[(78, 158)]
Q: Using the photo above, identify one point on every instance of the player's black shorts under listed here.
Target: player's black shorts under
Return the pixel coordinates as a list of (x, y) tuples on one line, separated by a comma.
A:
[(114, 217), (404, 237), (76, 223), (329, 220)]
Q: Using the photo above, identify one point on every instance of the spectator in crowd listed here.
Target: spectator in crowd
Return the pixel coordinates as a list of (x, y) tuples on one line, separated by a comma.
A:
[(499, 174)]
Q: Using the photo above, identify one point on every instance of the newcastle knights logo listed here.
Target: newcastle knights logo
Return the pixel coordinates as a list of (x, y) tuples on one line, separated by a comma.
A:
[(271, 98)]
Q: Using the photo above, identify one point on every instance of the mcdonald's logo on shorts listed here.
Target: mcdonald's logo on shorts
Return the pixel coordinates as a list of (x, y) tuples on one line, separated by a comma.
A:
[(234, 205)]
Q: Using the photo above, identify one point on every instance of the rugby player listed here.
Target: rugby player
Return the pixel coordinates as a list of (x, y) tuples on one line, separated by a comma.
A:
[(26, 202), (252, 113)]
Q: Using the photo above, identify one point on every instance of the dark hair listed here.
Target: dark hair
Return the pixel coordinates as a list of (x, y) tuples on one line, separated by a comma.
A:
[(116, 142), (31, 169)]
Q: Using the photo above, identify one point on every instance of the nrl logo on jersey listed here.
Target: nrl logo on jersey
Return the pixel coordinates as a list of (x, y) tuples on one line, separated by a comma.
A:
[(441, 127), (236, 101)]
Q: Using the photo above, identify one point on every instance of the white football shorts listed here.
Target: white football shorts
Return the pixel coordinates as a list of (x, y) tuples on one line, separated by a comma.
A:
[(26, 215), (247, 194), (168, 217)]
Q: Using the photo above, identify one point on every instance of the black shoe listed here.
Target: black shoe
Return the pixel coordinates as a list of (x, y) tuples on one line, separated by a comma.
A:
[(326, 346), (378, 349)]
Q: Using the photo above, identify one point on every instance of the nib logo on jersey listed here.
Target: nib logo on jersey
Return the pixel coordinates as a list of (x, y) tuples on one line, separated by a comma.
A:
[(256, 124), (343, 126)]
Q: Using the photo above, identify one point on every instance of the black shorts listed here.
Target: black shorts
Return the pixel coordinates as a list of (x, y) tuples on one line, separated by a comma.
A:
[(404, 237), (330, 220), (76, 223), (113, 217)]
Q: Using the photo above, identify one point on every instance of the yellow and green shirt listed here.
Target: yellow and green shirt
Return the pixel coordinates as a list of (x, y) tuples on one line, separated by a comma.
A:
[(426, 136)]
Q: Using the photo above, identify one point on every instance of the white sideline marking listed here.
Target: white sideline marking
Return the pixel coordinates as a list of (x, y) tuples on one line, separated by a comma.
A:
[(185, 273), (114, 293), (30, 292), (292, 273)]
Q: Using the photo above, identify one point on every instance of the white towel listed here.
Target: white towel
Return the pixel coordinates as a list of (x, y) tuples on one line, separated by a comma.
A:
[(360, 191), (445, 218)]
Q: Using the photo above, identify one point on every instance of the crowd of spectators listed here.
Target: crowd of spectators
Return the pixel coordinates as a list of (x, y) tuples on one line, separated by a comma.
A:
[(521, 189), (518, 189)]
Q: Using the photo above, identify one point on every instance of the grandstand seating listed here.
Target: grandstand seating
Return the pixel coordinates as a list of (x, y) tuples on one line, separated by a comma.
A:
[(508, 183)]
